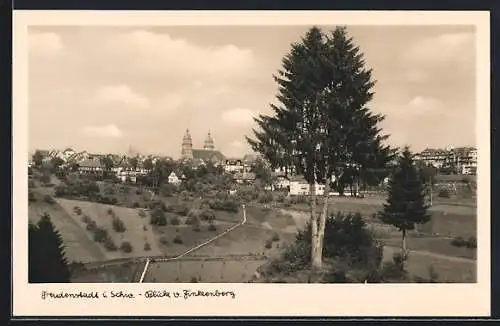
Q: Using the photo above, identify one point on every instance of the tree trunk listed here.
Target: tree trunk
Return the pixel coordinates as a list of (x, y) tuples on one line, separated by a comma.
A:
[(322, 221), (315, 244), (403, 249)]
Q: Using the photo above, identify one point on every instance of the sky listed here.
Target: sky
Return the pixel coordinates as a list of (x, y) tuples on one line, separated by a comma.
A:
[(106, 89)]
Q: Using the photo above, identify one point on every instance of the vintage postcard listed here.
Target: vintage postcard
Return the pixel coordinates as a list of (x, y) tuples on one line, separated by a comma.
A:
[(251, 163)]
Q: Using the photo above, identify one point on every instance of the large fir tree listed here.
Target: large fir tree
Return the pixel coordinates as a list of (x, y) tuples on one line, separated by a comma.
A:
[(405, 206), (322, 124), (47, 263)]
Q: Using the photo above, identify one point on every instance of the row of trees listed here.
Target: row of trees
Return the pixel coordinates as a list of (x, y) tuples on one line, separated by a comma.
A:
[(323, 127)]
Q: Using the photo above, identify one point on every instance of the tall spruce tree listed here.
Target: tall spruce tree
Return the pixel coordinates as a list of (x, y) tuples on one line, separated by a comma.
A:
[(322, 125), (47, 263), (405, 206)]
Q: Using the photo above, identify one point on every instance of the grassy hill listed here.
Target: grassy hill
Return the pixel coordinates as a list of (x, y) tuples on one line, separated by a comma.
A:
[(137, 230), (79, 246)]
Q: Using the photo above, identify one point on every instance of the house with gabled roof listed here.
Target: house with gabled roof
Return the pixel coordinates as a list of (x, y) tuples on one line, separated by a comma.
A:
[(233, 165), (300, 187), (175, 178), (91, 166), (78, 157)]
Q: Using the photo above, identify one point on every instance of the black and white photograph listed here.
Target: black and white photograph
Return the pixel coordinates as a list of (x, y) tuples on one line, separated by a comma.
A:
[(321, 153)]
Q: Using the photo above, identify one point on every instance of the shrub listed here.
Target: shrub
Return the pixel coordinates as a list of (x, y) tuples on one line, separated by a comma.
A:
[(141, 213), (175, 221), (113, 201), (180, 210), (31, 196), (471, 243), (49, 200), (443, 193), (196, 228), (110, 212), (86, 219), (118, 225), (207, 215), (126, 247), (275, 237), (136, 205), (91, 226), (212, 227), (77, 210), (192, 220), (194, 213), (144, 228), (138, 192), (178, 239), (393, 271), (164, 240), (147, 246), (109, 244), (100, 234), (265, 198), (269, 244), (433, 275), (458, 242), (158, 217)]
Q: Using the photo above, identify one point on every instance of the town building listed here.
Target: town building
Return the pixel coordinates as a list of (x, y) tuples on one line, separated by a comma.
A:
[(300, 187), (234, 166), (200, 156), (281, 181), (91, 166), (174, 179), (462, 160), (67, 153), (244, 177)]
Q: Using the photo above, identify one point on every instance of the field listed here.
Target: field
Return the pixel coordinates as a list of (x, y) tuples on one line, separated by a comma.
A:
[(228, 271), (246, 240), (134, 233), (449, 269), (190, 238), (123, 273)]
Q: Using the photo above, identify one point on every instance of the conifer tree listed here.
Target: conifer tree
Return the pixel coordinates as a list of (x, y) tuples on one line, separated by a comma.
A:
[(47, 263), (322, 125), (405, 206)]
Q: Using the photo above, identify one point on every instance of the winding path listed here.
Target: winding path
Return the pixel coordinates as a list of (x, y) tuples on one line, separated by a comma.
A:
[(148, 260)]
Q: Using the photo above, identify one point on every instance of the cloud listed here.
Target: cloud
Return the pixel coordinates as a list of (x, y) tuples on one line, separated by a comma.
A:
[(107, 131), (159, 53), (122, 94), (42, 43), (420, 104), (236, 144), (444, 48), (238, 117)]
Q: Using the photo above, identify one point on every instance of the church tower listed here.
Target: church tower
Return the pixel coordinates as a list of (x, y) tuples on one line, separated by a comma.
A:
[(209, 143), (187, 146)]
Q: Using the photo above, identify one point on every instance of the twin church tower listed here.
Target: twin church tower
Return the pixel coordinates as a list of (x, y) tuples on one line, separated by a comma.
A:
[(187, 145)]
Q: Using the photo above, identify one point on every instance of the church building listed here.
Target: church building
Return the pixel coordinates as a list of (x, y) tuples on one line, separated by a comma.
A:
[(200, 156)]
